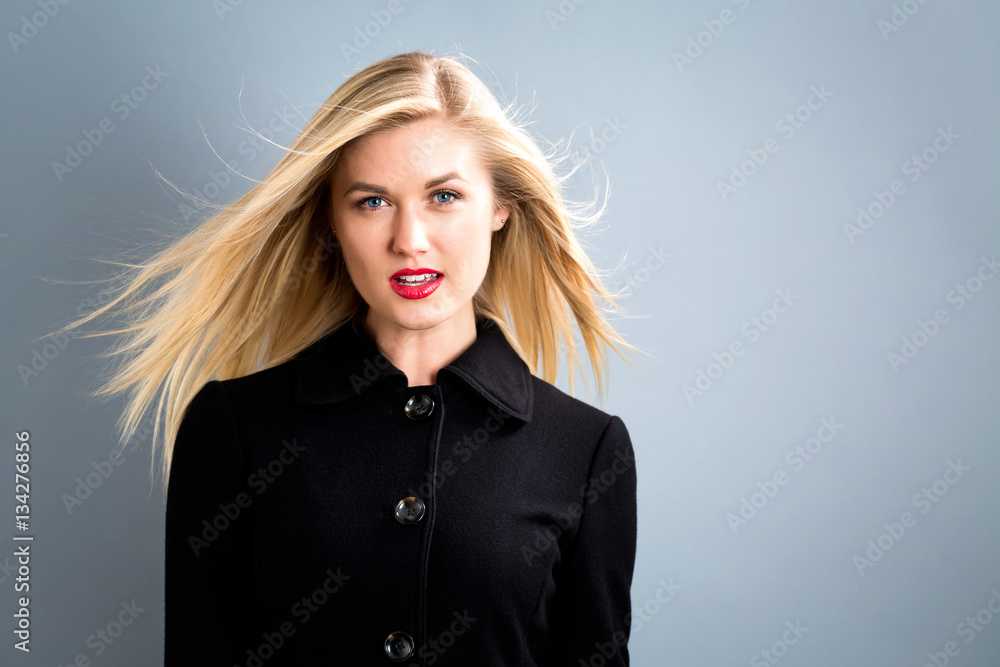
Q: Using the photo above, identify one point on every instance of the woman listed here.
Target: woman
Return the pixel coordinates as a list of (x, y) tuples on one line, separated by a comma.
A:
[(375, 475)]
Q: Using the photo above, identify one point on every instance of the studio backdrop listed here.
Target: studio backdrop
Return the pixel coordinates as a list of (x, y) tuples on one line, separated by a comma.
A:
[(801, 221)]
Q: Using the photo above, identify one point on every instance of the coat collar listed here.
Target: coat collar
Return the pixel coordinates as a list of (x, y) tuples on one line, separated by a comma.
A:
[(346, 362)]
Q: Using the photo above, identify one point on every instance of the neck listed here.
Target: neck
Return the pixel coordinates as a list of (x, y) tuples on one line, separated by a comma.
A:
[(421, 353)]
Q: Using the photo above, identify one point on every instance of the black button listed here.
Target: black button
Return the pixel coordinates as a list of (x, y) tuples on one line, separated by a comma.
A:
[(399, 646), (409, 510), (419, 406)]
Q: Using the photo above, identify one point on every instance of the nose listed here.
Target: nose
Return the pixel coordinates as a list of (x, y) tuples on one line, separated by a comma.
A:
[(409, 233)]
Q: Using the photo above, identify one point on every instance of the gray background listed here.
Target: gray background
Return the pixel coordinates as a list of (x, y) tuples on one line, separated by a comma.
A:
[(680, 130)]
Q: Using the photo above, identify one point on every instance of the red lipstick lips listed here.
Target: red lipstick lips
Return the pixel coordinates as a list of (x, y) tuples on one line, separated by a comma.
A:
[(416, 283)]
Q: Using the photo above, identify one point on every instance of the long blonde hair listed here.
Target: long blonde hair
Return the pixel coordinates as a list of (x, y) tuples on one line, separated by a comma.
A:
[(260, 280)]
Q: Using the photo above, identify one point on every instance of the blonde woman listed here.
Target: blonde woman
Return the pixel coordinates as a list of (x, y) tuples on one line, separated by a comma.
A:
[(363, 466)]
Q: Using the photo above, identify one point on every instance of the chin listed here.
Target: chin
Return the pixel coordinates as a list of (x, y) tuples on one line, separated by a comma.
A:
[(416, 318)]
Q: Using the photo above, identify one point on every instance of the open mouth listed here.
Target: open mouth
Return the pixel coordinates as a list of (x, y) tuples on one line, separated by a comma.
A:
[(417, 283), (417, 280)]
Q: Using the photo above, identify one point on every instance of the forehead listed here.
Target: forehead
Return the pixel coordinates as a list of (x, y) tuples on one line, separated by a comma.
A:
[(419, 149)]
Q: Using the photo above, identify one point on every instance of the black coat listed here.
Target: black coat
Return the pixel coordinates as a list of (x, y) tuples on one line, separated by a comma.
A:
[(319, 507)]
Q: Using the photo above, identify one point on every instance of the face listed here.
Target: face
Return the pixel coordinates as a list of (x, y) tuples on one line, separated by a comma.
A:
[(415, 198)]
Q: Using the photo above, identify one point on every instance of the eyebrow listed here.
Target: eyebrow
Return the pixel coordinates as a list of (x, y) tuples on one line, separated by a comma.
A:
[(379, 190)]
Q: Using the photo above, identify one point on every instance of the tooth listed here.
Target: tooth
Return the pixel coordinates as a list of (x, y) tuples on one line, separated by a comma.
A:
[(424, 277)]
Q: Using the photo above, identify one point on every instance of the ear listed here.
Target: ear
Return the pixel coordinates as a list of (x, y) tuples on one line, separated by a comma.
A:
[(500, 217)]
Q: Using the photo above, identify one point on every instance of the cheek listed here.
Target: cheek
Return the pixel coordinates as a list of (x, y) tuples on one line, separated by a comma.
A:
[(355, 258), (355, 244), (470, 254)]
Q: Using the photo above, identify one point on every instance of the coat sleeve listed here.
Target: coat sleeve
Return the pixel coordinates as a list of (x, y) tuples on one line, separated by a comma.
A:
[(594, 581), (207, 601)]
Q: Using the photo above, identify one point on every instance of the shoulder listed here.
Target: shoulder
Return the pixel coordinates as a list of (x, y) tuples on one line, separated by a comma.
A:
[(261, 387), (552, 399), (593, 448), (575, 418), (230, 400)]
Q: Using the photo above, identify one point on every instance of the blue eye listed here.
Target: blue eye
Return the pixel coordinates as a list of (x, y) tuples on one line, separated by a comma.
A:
[(451, 197), (374, 203)]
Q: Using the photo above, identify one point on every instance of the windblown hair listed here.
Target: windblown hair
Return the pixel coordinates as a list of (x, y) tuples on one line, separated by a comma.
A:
[(259, 281)]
